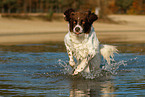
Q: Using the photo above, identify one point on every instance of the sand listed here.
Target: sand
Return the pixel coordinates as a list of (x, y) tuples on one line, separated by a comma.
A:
[(16, 31)]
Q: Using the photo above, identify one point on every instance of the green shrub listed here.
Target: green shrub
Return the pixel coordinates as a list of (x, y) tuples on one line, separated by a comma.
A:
[(49, 15)]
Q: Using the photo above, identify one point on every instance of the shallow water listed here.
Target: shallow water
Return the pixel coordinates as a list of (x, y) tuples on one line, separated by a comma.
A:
[(34, 70)]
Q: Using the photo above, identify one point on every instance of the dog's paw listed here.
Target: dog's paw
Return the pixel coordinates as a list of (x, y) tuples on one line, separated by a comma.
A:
[(75, 73), (72, 63), (77, 70)]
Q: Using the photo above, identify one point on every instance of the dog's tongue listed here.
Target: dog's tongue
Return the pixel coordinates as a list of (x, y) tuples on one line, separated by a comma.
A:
[(77, 33)]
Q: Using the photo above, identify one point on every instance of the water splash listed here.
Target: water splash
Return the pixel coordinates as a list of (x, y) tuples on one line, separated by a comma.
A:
[(67, 68), (105, 69), (113, 66)]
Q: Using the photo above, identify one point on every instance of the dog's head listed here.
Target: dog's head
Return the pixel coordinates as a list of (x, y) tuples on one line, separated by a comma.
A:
[(80, 22)]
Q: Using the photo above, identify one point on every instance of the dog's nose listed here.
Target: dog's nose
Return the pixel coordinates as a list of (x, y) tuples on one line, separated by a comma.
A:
[(77, 29)]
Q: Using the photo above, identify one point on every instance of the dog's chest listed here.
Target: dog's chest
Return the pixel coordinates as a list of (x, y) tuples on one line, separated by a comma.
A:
[(83, 49)]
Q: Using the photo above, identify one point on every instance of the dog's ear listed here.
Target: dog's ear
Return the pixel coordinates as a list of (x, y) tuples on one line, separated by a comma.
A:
[(67, 14), (92, 17)]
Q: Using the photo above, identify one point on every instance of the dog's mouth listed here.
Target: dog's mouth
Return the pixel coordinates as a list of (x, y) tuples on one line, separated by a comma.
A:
[(78, 33)]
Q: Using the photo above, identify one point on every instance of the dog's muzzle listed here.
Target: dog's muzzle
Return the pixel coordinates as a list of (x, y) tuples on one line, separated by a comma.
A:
[(78, 29)]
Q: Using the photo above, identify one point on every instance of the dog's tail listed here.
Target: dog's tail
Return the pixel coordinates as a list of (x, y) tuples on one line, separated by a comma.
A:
[(107, 51)]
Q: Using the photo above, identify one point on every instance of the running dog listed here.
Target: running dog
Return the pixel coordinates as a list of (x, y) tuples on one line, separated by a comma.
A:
[(82, 43)]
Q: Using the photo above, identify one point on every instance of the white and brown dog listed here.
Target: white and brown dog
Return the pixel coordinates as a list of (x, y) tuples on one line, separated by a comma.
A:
[(82, 44)]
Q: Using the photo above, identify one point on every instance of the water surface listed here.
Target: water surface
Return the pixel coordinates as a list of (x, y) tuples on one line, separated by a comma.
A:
[(34, 70)]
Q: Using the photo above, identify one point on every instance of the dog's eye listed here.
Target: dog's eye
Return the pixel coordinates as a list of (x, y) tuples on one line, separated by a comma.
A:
[(75, 22), (82, 22)]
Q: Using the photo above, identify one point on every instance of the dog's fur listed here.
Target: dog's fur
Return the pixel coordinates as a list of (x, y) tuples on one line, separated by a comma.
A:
[(82, 44)]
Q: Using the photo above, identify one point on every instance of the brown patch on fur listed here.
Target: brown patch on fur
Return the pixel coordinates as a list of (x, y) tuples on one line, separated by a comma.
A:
[(83, 18)]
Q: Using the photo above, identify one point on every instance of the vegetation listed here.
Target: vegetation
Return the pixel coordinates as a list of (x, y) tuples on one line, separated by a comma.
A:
[(127, 6), (124, 5), (48, 7)]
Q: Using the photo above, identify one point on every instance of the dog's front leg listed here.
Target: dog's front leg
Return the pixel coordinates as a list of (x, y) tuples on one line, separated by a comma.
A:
[(71, 60), (81, 66), (70, 55)]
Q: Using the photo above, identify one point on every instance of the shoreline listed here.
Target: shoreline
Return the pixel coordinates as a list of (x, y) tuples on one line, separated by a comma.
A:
[(40, 38), (15, 31)]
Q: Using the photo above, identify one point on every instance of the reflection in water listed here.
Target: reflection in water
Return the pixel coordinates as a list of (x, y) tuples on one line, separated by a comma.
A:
[(92, 88), (34, 70)]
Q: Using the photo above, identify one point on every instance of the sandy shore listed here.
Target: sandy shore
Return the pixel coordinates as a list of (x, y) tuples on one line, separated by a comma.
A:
[(14, 31)]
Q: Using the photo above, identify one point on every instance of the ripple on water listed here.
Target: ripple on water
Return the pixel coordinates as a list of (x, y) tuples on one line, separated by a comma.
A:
[(49, 74)]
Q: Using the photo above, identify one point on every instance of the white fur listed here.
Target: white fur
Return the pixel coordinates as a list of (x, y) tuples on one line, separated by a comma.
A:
[(87, 50), (107, 51)]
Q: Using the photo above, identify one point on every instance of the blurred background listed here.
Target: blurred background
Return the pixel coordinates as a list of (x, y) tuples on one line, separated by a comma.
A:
[(48, 7), (33, 58), (23, 21)]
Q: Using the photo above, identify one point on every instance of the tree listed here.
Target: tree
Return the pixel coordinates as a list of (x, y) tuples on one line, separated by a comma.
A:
[(112, 6), (103, 9), (8, 5), (137, 7), (124, 5), (1, 6)]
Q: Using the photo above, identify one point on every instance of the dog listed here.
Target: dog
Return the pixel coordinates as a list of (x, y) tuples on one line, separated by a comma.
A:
[(82, 43)]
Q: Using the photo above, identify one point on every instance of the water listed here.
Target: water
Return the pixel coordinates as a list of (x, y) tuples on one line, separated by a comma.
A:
[(42, 70)]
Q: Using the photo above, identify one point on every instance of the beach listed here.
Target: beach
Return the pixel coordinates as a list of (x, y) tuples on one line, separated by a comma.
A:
[(130, 28)]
